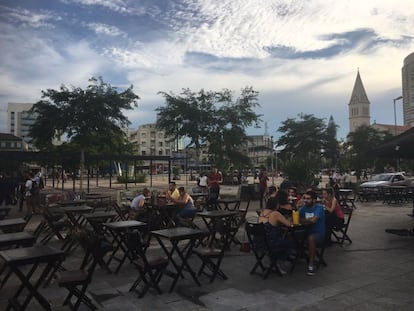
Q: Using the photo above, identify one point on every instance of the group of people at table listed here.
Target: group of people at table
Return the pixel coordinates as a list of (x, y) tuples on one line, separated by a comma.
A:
[(209, 184), (320, 215)]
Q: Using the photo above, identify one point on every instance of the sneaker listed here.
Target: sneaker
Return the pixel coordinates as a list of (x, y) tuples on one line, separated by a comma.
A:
[(281, 268), (311, 270)]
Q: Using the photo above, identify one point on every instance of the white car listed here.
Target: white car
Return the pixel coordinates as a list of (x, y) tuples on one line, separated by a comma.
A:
[(386, 180)]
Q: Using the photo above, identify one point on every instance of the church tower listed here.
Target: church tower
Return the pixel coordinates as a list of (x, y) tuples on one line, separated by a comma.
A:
[(359, 113)]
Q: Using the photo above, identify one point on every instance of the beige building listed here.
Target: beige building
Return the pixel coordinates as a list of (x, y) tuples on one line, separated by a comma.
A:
[(10, 142), (408, 90), (151, 141), (359, 106), (259, 149), (391, 128)]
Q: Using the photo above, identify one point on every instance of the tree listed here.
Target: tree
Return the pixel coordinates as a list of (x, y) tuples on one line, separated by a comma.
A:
[(359, 148), (331, 147), (304, 139), (215, 118), (91, 119)]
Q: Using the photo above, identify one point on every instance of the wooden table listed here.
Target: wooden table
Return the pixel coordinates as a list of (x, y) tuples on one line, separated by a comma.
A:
[(72, 203), (219, 222), (230, 204), (16, 239), (174, 236), (97, 219), (119, 231), (19, 258), (164, 214), (12, 225)]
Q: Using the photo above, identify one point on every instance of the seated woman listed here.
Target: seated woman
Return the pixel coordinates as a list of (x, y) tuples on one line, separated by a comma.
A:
[(188, 210), (274, 222), (334, 214), (283, 204)]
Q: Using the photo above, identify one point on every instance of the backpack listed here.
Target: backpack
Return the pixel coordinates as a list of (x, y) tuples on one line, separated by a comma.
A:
[(35, 188)]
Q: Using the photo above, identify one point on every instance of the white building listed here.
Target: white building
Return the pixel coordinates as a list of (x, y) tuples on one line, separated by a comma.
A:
[(408, 90), (19, 120)]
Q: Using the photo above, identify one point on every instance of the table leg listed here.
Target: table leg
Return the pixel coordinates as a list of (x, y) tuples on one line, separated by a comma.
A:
[(33, 289)]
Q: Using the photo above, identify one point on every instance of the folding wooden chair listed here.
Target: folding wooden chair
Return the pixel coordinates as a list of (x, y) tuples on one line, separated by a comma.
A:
[(341, 233), (211, 259), (259, 244), (77, 281), (150, 267), (54, 225), (123, 212), (238, 221)]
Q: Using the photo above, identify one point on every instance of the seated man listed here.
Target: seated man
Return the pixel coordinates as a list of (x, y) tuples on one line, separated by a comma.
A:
[(137, 205), (172, 192), (312, 212)]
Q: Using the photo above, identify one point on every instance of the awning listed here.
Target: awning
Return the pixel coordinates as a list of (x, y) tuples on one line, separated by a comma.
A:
[(401, 146)]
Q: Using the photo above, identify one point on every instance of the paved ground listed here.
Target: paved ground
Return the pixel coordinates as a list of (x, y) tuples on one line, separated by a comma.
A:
[(375, 272)]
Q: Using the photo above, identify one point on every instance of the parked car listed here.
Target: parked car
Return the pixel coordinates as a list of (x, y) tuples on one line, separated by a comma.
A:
[(386, 180)]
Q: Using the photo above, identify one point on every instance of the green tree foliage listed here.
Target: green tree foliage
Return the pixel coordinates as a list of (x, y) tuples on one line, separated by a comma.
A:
[(304, 139), (331, 147), (359, 148), (91, 119), (215, 118)]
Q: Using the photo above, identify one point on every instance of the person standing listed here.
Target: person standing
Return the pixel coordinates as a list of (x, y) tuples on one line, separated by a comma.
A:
[(313, 213), (29, 193), (202, 182), (214, 179), (263, 179)]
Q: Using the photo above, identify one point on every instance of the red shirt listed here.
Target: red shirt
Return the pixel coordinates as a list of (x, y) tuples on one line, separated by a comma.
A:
[(214, 180)]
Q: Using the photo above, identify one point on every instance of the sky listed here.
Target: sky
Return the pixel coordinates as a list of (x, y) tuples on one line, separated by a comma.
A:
[(302, 56)]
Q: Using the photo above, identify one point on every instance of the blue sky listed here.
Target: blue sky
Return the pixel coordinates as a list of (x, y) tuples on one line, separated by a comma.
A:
[(301, 55)]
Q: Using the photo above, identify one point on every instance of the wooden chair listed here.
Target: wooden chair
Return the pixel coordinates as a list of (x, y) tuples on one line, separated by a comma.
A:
[(150, 267), (123, 212), (54, 225), (211, 258), (77, 281), (341, 233), (238, 221), (259, 244)]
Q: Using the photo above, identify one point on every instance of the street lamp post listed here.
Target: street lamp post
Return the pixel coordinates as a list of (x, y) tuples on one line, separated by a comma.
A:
[(271, 160), (395, 115)]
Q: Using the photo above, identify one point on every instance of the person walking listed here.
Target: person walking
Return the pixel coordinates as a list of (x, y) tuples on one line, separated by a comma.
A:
[(263, 179)]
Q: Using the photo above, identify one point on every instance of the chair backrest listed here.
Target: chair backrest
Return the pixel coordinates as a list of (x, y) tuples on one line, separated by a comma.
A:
[(95, 246), (135, 244), (121, 211), (347, 214), (257, 236)]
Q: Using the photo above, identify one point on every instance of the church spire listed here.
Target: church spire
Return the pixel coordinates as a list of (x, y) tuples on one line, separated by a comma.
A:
[(358, 107), (358, 93)]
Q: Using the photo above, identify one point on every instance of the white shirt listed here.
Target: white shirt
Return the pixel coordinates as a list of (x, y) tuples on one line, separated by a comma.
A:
[(203, 181), (136, 202)]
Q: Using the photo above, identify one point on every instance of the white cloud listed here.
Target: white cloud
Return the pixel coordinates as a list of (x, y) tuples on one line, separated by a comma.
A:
[(29, 18), (106, 29)]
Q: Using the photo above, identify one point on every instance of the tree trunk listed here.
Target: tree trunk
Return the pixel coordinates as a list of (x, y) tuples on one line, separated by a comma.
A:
[(82, 165)]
